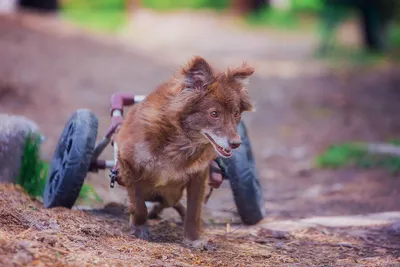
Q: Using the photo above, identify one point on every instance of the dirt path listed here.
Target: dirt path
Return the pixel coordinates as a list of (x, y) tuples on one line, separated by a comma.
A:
[(31, 235), (302, 106)]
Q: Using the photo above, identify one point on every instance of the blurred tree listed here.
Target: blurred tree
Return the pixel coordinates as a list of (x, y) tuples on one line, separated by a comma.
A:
[(131, 5), (186, 4), (375, 17), (250, 6), (40, 5)]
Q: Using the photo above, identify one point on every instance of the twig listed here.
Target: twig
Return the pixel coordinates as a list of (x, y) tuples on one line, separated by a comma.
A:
[(207, 197), (384, 149), (23, 232), (15, 216), (346, 245), (60, 250), (382, 246)]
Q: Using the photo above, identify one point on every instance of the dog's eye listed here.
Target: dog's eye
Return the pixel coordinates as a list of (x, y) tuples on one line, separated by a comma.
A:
[(214, 114), (236, 113)]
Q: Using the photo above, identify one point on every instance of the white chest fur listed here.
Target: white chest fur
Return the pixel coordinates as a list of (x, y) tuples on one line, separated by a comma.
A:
[(164, 169)]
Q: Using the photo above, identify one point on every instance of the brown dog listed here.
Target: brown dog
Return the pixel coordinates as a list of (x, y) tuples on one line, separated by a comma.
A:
[(167, 142)]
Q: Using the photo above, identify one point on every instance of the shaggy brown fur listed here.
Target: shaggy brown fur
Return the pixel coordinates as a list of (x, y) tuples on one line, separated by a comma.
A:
[(167, 142)]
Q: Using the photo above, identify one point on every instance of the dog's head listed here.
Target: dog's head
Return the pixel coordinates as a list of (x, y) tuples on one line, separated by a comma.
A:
[(214, 103)]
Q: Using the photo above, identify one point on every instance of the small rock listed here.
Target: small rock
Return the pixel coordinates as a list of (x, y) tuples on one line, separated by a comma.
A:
[(22, 257), (281, 234), (52, 241), (273, 233), (319, 190), (24, 244), (394, 228), (53, 224), (299, 152), (13, 133), (280, 245)]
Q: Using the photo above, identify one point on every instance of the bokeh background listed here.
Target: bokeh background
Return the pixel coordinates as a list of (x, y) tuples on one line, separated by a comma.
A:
[(326, 86)]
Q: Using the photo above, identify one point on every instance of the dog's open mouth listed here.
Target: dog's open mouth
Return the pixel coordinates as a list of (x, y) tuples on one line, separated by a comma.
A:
[(222, 151)]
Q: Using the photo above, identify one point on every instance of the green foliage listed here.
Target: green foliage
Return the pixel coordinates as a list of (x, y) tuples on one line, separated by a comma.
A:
[(274, 17), (309, 6), (88, 194), (341, 56), (186, 4), (333, 15), (110, 15), (104, 21), (341, 155), (286, 18), (105, 5), (356, 154), (394, 35), (33, 172), (394, 141), (100, 15)]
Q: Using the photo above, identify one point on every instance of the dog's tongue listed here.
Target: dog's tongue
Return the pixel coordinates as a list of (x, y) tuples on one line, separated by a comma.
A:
[(224, 152), (221, 150)]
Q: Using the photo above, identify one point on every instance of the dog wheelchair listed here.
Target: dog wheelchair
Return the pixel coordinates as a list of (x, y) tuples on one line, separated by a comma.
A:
[(77, 154)]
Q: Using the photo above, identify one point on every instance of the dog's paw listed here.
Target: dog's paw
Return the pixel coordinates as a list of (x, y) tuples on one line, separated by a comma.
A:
[(201, 244), (154, 215), (141, 231)]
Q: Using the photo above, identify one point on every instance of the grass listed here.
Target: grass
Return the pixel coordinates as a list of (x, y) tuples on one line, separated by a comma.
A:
[(356, 154), (99, 15), (290, 18), (307, 6), (88, 194), (34, 170), (282, 19), (110, 16), (394, 36), (342, 56), (185, 4), (394, 41), (101, 21)]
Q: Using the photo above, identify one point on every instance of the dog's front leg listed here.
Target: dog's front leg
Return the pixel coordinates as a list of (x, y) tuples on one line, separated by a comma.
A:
[(138, 213), (193, 223)]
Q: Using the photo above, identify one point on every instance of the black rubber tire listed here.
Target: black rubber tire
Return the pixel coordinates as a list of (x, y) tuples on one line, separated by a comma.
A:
[(243, 176), (71, 160)]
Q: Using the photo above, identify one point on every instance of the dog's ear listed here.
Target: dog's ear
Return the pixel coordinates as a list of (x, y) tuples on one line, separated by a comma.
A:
[(241, 74), (197, 73), (245, 103)]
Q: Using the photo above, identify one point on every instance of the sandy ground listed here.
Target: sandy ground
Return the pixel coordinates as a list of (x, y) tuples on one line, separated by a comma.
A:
[(315, 217)]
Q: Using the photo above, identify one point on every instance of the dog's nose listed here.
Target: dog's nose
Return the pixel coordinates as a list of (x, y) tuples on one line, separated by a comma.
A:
[(235, 143)]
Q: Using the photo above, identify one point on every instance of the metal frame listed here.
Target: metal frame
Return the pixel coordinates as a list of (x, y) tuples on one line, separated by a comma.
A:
[(118, 102)]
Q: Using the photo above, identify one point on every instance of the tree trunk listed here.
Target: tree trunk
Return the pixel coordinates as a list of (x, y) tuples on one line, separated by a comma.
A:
[(249, 6), (132, 5)]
